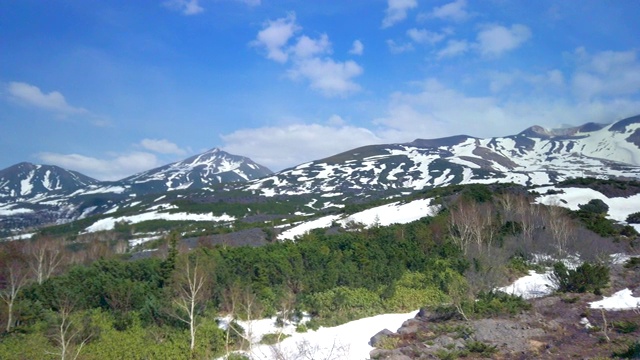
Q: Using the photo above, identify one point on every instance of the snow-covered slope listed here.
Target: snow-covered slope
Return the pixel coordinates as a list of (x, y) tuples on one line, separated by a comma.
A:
[(31, 195), (534, 157), (209, 168), (28, 181)]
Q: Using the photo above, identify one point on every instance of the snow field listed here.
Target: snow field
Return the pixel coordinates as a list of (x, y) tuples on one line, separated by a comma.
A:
[(394, 213), (349, 341)]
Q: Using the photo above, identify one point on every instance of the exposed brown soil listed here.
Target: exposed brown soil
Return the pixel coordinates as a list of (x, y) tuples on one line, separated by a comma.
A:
[(552, 329)]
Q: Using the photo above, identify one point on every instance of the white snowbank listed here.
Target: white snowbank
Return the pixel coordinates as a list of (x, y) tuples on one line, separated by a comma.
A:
[(109, 223), (394, 213), (531, 286), (622, 300), (619, 207), (344, 342), (7, 212)]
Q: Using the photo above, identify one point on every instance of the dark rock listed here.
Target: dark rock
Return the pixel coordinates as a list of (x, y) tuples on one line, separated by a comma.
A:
[(409, 327), (380, 336)]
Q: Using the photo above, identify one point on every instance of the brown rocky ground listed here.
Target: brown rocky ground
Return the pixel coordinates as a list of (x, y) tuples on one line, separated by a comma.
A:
[(551, 329)]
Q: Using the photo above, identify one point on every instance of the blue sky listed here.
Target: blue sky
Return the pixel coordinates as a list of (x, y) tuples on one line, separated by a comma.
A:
[(111, 88)]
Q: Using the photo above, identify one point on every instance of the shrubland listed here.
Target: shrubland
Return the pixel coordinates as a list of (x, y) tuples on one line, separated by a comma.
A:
[(90, 300)]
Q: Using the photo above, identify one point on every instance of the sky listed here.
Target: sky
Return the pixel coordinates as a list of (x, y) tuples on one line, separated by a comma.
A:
[(112, 88)]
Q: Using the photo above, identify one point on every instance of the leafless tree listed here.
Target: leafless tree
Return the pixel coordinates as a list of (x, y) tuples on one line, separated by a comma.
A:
[(69, 336), (16, 277), (189, 283), (44, 255), (561, 227), (241, 303)]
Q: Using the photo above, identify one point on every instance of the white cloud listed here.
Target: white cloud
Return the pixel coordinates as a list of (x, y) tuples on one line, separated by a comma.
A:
[(32, 96), (605, 74), (281, 147), (397, 11), (329, 77), (452, 11), (309, 60), (357, 48), (545, 82), (453, 48), (162, 146), (307, 47), (396, 48), (424, 36), (186, 7), (495, 40), (275, 35), (435, 110), (113, 168)]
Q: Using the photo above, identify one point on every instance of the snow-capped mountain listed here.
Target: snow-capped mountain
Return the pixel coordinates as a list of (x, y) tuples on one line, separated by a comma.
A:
[(536, 156), (209, 168), (27, 181), (35, 194)]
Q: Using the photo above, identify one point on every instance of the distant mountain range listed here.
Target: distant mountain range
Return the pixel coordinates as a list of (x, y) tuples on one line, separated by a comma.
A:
[(535, 156), (31, 195)]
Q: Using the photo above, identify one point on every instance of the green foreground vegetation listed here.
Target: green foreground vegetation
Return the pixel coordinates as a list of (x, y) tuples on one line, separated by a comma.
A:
[(84, 301)]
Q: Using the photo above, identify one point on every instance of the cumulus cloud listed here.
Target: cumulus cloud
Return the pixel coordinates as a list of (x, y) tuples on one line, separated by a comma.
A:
[(32, 96), (453, 48), (112, 168), (452, 11), (307, 47), (436, 110), (495, 40), (275, 35), (605, 74), (162, 146), (329, 77), (397, 11), (357, 48), (281, 147), (186, 7), (310, 60), (424, 36)]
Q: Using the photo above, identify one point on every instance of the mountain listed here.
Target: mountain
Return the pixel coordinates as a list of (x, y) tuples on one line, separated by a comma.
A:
[(26, 180), (536, 156), (31, 195), (209, 168)]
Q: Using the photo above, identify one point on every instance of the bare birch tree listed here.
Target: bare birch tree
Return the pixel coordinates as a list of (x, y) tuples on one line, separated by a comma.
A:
[(45, 256), (189, 283), (69, 336), (16, 277)]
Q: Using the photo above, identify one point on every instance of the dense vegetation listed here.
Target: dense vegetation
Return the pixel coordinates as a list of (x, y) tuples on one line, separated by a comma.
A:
[(63, 299)]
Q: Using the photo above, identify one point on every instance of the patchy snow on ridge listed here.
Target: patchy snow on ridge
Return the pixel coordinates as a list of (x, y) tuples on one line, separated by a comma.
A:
[(531, 286), (622, 300), (394, 213), (109, 223), (619, 207), (299, 230)]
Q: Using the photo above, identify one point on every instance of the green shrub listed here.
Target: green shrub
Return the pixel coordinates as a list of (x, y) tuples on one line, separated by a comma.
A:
[(634, 218), (481, 348), (585, 278), (494, 303), (273, 338), (632, 352), (624, 326), (632, 263), (595, 206)]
